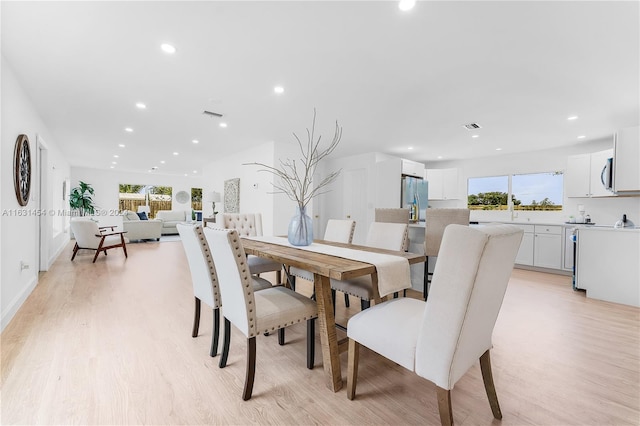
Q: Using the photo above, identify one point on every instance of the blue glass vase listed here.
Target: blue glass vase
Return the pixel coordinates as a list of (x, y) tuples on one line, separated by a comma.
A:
[(300, 228)]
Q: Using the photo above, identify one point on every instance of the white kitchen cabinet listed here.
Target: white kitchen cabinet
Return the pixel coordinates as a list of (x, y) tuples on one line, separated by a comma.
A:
[(443, 184), (412, 168), (626, 171), (525, 253), (547, 247), (582, 178)]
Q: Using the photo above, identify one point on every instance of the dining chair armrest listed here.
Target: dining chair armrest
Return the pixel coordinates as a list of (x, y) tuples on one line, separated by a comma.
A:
[(106, 234)]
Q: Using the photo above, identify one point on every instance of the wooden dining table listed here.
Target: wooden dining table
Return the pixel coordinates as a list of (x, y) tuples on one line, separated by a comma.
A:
[(324, 267)]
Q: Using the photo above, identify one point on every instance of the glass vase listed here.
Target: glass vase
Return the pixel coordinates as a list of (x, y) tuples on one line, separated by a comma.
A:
[(300, 228)]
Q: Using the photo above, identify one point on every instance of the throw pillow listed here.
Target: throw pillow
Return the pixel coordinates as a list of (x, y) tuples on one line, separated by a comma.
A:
[(142, 216)]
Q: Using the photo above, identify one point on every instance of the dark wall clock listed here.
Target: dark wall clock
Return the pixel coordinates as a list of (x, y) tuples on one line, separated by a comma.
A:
[(22, 169)]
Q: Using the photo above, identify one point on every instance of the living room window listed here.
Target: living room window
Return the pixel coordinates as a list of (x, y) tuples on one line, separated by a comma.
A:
[(131, 196), (196, 199)]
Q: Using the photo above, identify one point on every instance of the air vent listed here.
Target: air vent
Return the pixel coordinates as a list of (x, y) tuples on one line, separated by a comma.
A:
[(471, 126), (211, 113)]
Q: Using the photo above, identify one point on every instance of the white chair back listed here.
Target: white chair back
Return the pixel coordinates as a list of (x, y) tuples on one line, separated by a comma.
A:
[(247, 224), (234, 279), (340, 231), (389, 236), (85, 231), (203, 271), (467, 290)]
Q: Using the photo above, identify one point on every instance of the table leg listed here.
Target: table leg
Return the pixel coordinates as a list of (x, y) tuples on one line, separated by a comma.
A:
[(328, 338)]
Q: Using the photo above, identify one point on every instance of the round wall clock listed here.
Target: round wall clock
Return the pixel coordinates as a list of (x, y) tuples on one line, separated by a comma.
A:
[(22, 169)]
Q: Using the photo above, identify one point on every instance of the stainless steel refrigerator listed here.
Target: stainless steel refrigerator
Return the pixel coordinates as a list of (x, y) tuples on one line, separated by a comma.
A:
[(415, 189)]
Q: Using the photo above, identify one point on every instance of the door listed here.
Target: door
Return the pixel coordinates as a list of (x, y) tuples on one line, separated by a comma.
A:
[(355, 202)]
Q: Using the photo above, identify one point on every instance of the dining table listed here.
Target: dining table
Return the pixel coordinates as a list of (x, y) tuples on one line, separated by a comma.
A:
[(326, 266)]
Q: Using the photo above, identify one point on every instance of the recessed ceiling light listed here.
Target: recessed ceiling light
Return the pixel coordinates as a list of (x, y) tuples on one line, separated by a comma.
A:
[(439, 157), (121, 145), (475, 136), (128, 129), (405, 5), (278, 89), (498, 149), (175, 153), (222, 124), (140, 105), (112, 167), (186, 174), (410, 148), (581, 137), (115, 156), (195, 141), (573, 117), (162, 162), (113, 162), (195, 171), (167, 48)]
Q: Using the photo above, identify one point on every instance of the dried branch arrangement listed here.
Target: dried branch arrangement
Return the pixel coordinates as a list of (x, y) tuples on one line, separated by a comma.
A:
[(295, 177)]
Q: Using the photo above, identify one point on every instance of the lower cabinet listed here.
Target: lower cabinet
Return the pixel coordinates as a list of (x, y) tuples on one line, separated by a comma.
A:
[(541, 246)]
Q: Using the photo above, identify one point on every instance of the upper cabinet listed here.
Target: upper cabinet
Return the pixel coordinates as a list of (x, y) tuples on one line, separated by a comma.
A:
[(626, 170), (584, 174), (412, 168), (443, 184)]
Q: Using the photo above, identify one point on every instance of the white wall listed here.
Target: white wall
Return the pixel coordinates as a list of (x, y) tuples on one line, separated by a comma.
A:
[(256, 188), (19, 226), (604, 211), (105, 183)]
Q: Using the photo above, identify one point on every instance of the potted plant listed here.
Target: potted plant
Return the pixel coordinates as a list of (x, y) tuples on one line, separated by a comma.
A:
[(80, 199), (295, 179)]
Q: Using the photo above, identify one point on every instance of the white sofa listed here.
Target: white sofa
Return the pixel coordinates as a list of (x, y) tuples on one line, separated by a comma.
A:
[(140, 229), (170, 218)]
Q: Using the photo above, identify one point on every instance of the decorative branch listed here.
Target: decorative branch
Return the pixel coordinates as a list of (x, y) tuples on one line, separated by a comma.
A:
[(297, 183)]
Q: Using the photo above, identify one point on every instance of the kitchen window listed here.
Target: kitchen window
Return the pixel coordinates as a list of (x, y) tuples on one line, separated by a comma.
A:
[(530, 191)]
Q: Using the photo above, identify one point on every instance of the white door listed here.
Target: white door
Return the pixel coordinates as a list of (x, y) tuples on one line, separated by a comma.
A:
[(355, 202)]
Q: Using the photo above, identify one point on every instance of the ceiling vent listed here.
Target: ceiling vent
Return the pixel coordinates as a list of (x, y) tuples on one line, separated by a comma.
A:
[(211, 113), (471, 126)]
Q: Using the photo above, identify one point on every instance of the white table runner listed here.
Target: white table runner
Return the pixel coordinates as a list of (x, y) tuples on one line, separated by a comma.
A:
[(393, 271)]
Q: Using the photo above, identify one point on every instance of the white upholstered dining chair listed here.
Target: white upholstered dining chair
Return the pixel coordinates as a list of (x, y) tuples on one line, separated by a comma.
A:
[(250, 225), (395, 215), (204, 280), (436, 220), (91, 237), (440, 339), (382, 235), (254, 313)]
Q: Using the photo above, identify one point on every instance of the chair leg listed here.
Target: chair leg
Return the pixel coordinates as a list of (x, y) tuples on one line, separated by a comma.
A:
[(251, 369), (99, 249), (346, 300), (333, 299), (487, 378), (425, 290), (124, 245), (352, 368), (278, 277), (216, 333), (225, 345), (311, 343), (281, 336), (75, 251), (96, 256), (196, 318), (292, 282), (364, 304), (444, 406)]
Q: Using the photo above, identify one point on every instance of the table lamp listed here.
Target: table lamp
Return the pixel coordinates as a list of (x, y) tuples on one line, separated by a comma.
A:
[(213, 198)]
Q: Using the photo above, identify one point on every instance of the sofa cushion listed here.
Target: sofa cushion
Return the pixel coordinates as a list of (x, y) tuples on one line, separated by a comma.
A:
[(171, 215), (142, 216), (130, 215)]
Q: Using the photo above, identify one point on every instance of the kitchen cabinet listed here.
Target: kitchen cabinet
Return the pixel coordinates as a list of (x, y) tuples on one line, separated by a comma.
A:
[(582, 178), (443, 184), (541, 246), (626, 171), (607, 264), (412, 168)]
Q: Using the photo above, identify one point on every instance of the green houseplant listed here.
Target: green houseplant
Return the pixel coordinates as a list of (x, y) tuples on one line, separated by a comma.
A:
[(80, 199)]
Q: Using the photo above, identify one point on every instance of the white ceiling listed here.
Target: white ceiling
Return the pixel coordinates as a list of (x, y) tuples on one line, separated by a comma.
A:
[(392, 79)]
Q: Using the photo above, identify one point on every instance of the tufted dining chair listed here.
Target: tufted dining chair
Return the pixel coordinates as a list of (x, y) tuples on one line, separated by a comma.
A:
[(252, 312), (91, 237), (398, 215), (440, 339), (250, 225), (337, 230), (383, 235), (436, 220), (204, 280)]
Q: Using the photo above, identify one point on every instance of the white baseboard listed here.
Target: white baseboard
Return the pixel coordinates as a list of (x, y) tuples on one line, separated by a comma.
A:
[(56, 254), (17, 302)]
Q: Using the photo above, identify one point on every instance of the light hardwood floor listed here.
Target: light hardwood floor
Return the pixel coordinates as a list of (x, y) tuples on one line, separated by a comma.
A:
[(110, 343)]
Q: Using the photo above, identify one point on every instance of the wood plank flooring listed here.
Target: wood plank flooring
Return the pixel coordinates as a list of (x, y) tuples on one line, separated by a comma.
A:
[(110, 343)]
